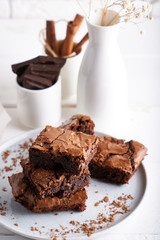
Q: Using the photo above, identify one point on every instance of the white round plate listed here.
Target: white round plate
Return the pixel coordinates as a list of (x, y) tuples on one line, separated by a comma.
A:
[(20, 220)]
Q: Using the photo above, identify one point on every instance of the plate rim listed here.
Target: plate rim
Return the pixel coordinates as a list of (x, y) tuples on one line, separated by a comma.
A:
[(83, 237)]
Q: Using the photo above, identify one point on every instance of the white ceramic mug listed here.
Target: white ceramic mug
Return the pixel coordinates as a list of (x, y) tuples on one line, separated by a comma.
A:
[(38, 108)]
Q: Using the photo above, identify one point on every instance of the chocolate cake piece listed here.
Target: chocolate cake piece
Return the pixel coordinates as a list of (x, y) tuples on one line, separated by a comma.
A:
[(25, 195), (70, 149), (79, 123), (54, 182), (116, 160)]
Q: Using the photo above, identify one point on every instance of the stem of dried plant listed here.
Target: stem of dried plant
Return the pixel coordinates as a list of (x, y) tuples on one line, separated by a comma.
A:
[(104, 13)]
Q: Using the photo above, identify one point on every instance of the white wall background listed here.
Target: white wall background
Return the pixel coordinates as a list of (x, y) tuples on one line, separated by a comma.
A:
[(22, 20)]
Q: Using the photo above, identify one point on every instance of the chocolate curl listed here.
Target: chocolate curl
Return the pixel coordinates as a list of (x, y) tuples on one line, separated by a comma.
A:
[(51, 36), (78, 46), (72, 28)]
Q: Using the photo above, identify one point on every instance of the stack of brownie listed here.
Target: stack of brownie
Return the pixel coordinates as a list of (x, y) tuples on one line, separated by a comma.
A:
[(56, 173)]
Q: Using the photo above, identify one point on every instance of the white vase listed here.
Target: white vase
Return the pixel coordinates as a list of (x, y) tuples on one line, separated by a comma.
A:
[(102, 81)]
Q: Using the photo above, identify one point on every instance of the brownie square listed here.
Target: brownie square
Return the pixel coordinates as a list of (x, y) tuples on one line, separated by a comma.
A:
[(54, 182), (116, 160), (25, 195), (70, 149), (79, 123)]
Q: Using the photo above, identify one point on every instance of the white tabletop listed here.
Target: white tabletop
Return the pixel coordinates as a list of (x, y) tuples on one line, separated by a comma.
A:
[(144, 127)]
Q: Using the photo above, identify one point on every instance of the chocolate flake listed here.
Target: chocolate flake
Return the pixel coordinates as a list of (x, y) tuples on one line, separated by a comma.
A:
[(4, 189), (5, 155)]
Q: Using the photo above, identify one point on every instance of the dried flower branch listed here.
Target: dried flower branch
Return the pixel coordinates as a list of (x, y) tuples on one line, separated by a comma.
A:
[(127, 10)]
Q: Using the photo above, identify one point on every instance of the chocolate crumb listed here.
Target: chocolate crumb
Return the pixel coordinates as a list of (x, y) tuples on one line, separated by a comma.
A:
[(26, 144), (7, 169), (3, 213), (72, 222), (96, 204), (63, 228), (130, 197), (16, 224), (106, 199), (4, 189), (5, 155), (55, 238), (120, 198), (111, 218)]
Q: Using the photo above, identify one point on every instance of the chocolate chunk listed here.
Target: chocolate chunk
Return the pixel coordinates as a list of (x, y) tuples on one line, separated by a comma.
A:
[(37, 69), (38, 73), (35, 82), (19, 68)]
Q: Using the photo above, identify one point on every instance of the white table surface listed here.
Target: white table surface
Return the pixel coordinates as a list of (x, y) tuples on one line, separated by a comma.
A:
[(144, 127)]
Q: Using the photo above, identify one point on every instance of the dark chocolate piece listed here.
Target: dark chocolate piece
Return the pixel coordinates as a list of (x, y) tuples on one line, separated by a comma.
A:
[(54, 182), (72, 150), (116, 160), (79, 123), (25, 195), (35, 82), (38, 73), (38, 69), (19, 68), (46, 71)]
